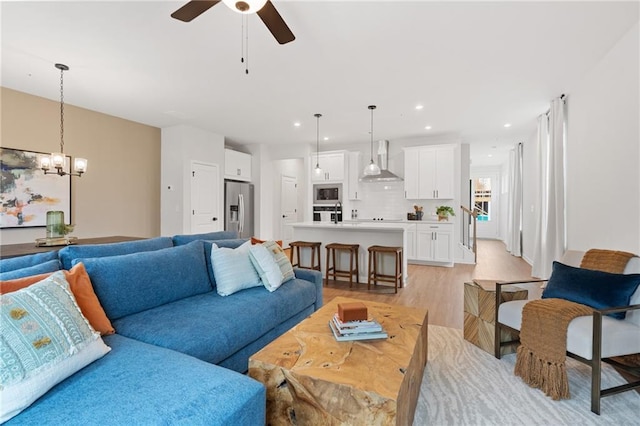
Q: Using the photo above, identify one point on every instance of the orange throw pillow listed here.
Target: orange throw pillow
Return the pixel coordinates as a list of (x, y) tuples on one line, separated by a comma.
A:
[(82, 289), (255, 241)]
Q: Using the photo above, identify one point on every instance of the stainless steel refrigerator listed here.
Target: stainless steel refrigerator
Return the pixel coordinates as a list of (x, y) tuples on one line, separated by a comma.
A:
[(238, 208)]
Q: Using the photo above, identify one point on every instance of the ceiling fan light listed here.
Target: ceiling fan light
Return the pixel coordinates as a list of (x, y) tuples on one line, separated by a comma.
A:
[(245, 6)]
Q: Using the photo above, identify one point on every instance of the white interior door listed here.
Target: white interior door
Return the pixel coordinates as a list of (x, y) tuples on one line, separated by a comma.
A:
[(205, 198), (288, 207)]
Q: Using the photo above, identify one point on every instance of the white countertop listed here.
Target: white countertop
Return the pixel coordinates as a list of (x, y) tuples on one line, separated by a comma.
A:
[(354, 225)]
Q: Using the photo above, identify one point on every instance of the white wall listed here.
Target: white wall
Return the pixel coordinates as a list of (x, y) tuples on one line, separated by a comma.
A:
[(603, 152), (180, 146)]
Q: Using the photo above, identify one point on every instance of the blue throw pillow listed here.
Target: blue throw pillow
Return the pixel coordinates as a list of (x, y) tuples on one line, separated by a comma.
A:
[(597, 289), (43, 268)]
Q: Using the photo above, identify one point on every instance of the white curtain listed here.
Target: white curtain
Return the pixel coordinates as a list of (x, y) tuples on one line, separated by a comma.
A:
[(550, 241), (514, 219)]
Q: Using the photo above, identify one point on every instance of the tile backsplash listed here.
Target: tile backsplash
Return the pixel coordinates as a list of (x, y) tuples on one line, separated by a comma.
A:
[(387, 200)]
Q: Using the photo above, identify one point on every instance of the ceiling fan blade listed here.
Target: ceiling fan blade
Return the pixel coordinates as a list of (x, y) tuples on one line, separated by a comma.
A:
[(275, 23), (193, 9)]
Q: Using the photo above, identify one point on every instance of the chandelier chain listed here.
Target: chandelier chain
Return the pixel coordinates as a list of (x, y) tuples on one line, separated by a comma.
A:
[(62, 110)]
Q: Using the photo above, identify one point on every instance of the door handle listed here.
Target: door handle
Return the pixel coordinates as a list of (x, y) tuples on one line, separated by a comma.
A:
[(214, 219), (284, 215)]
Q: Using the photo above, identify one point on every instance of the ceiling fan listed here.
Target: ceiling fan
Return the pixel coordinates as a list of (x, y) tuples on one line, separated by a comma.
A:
[(265, 10)]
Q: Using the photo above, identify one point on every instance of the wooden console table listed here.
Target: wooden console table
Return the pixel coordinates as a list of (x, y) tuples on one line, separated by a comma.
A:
[(14, 250)]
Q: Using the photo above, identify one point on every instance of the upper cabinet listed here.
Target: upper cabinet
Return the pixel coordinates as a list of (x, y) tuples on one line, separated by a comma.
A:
[(332, 165), (237, 165), (429, 172)]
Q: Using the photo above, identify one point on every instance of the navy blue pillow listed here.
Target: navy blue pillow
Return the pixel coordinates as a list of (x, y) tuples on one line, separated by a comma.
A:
[(597, 289)]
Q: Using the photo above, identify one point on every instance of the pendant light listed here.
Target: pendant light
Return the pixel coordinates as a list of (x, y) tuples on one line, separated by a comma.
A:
[(372, 169), (57, 160), (317, 170)]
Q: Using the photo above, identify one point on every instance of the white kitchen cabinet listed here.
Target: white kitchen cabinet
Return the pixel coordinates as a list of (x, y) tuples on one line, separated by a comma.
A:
[(332, 165), (429, 172), (237, 165), (434, 242), (354, 192)]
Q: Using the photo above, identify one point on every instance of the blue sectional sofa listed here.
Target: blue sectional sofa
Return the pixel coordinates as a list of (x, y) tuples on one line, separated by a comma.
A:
[(180, 348)]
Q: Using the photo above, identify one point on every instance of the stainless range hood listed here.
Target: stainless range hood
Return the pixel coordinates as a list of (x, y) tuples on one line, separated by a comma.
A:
[(383, 162)]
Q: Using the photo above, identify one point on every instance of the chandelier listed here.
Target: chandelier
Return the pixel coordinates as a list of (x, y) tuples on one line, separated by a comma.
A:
[(57, 160)]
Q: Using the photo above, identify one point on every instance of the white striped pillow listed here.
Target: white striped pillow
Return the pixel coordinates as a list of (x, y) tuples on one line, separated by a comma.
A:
[(233, 269)]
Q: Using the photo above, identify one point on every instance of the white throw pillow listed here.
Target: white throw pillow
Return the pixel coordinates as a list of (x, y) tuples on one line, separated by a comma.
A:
[(233, 269), (267, 267), (281, 259), (44, 339)]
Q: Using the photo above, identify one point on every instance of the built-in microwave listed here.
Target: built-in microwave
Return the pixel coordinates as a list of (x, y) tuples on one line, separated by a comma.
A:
[(328, 193)]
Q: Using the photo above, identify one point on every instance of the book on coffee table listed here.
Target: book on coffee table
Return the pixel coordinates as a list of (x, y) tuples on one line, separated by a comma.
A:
[(362, 335), (352, 327)]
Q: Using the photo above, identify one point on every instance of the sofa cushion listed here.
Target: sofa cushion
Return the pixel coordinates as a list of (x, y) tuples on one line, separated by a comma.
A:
[(266, 266), (223, 325), (69, 253), (179, 240), (44, 340), (82, 290), (597, 289), (141, 384), (131, 283), (20, 262), (233, 269), (41, 268)]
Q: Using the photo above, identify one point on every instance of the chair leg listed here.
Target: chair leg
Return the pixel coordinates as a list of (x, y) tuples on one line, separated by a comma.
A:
[(370, 268), (395, 281), (596, 362), (355, 252), (326, 270), (350, 268)]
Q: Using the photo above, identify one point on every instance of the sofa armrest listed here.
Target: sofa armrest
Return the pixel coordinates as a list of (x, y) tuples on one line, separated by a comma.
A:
[(314, 277)]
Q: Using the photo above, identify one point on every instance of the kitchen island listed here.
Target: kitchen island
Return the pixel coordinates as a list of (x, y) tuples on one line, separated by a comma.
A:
[(365, 234)]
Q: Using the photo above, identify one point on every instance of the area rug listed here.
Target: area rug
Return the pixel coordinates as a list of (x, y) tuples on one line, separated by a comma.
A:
[(463, 385)]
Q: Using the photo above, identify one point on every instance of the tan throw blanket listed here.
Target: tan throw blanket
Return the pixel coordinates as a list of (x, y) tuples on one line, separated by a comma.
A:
[(541, 355), (540, 359), (606, 260)]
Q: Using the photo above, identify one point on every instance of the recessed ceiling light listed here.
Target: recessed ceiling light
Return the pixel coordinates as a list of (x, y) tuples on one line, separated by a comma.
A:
[(428, 127), (326, 138), (419, 106), (507, 125), (297, 124), (490, 155)]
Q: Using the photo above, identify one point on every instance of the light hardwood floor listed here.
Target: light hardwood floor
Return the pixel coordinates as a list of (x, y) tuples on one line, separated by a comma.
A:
[(441, 289)]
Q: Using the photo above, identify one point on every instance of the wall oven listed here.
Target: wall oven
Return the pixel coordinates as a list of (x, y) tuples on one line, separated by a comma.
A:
[(329, 193), (326, 213)]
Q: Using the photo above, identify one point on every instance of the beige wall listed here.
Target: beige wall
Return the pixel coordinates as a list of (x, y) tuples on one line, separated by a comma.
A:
[(119, 194)]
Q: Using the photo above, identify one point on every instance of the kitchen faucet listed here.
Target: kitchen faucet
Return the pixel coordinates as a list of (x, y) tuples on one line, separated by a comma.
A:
[(335, 212)]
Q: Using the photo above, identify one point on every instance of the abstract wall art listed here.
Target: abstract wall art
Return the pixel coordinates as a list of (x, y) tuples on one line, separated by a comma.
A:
[(26, 193)]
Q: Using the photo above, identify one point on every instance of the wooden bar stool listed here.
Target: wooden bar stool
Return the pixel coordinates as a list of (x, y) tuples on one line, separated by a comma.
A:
[(375, 273), (333, 271), (315, 254)]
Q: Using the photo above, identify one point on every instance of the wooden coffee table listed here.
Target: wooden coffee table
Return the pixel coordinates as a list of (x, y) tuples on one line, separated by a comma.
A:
[(312, 379)]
